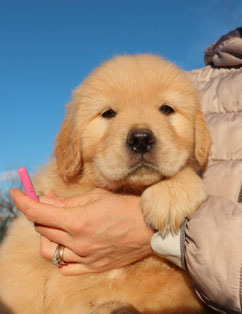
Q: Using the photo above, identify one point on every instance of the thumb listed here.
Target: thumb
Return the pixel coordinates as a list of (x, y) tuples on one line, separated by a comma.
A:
[(17, 193), (44, 214)]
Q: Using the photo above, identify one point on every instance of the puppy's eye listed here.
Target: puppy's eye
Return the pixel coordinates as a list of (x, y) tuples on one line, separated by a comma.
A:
[(110, 113), (166, 110)]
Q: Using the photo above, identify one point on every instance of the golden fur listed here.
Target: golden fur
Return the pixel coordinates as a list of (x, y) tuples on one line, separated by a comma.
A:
[(91, 151)]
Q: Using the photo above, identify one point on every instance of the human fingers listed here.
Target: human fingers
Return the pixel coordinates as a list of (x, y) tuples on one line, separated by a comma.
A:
[(73, 201), (54, 234), (47, 250), (97, 266), (74, 269), (54, 200), (40, 213), (51, 194)]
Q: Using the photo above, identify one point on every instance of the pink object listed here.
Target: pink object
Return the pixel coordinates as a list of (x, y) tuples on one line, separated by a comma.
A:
[(28, 186)]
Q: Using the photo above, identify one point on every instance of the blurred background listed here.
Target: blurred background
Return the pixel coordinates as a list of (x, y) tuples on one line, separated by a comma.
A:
[(48, 47)]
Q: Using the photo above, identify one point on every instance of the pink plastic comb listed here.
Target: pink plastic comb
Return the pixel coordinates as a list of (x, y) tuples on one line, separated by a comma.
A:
[(28, 186)]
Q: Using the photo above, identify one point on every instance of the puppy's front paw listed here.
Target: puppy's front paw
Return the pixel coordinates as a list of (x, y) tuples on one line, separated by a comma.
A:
[(165, 205), (156, 206)]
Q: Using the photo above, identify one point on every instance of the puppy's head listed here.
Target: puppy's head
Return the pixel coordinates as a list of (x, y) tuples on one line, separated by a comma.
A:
[(134, 121)]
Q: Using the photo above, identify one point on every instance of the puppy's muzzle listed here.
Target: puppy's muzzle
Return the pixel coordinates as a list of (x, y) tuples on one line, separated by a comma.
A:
[(140, 140)]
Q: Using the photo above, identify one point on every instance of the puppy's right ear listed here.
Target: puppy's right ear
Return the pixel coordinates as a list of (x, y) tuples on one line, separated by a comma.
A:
[(202, 142), (68, 152)]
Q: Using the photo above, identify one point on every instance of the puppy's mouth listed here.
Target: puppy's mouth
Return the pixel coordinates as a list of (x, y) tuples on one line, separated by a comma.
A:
[(143, 165), (142, 174)]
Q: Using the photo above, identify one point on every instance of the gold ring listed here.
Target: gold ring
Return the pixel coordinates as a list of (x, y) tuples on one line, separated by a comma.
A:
[(61, 253), (57, 259)]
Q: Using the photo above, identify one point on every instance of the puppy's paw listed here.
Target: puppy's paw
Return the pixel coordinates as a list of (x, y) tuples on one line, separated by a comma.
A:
[(166, 204), (156, 206)]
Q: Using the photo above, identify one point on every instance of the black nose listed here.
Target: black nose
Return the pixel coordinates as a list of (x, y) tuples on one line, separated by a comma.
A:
[(140, 140)]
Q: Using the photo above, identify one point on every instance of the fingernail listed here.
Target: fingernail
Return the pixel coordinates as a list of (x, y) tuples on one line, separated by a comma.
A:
[(51, 194)]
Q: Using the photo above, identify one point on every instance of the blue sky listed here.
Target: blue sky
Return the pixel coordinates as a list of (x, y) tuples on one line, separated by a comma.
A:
[(48, 47)]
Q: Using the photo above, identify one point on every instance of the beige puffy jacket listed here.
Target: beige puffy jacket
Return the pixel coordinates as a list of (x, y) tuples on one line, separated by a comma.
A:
[(213, 242)]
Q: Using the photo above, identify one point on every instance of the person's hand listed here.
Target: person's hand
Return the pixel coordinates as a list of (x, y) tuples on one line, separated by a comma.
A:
[(100, 230)]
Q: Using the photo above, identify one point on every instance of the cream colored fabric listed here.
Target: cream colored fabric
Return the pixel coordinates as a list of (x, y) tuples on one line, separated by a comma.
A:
[(168, 247)]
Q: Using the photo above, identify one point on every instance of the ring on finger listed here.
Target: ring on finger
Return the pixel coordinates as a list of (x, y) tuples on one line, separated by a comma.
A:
[(57, 259)]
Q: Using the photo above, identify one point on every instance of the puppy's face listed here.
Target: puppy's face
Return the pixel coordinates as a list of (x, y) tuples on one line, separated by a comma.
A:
[(132, 123)]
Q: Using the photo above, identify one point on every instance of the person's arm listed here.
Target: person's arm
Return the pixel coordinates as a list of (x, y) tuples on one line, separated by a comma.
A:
[(213, 252)]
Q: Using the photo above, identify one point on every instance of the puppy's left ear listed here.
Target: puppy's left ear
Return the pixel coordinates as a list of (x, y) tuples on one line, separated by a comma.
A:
[(68, 152), (202, 142)]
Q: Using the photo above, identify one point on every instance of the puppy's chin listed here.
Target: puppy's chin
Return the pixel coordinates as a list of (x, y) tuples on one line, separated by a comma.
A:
[(143, 177), (134, 178)]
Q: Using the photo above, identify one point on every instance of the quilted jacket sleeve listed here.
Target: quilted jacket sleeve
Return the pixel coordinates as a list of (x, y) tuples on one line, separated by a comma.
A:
[(212, 240), (214, 253)]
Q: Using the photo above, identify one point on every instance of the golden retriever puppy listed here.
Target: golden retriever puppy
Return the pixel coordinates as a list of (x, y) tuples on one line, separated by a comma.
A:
[(133, 126)]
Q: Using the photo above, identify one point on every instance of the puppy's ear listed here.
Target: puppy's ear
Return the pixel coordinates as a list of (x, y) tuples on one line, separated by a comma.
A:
[(68, 152), (202, 142)]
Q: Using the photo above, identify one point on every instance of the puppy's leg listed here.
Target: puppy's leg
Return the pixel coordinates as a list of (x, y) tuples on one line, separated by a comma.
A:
[(113, 308), (166, 204)]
